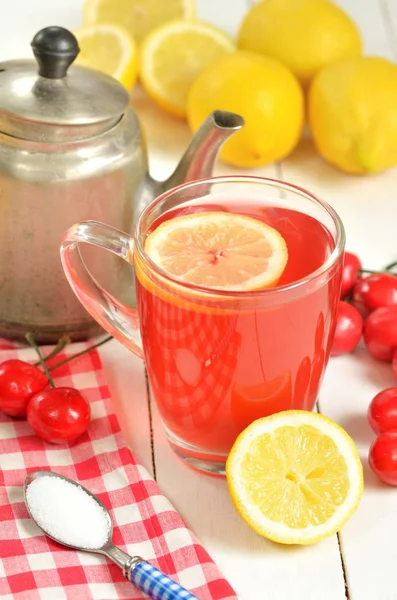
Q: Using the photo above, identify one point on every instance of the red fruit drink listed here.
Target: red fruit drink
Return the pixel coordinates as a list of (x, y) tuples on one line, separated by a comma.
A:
[(215, 366)]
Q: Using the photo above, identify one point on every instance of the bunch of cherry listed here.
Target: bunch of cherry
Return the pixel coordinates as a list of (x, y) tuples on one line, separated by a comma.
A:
[(368, 308), (56, 414)]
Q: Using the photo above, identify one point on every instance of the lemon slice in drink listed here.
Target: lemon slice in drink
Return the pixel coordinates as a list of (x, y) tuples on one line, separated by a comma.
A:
[(295, 477), (173, 55), (139, 17), (219, 250), (109, 49)]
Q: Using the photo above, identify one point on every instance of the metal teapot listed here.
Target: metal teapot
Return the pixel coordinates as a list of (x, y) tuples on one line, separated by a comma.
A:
[(72, 149)]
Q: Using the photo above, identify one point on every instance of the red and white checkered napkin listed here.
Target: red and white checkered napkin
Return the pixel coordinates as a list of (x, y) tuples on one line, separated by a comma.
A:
[(32, 567)]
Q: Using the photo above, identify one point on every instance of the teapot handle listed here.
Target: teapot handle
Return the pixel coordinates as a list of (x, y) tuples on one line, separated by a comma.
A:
[(119, 320)]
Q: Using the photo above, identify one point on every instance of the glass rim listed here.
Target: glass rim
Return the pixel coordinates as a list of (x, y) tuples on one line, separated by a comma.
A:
[(276, 183)]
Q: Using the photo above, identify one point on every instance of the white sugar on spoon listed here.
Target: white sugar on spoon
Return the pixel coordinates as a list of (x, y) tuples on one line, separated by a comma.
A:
[(67, 512), (71, 515)]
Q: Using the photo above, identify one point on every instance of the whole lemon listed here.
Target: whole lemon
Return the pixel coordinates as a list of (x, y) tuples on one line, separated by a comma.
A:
[(264, 92), (353, 114), (305, 35)]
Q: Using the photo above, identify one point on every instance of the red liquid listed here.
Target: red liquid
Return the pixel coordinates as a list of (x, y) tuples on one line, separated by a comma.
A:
[(214, 372)]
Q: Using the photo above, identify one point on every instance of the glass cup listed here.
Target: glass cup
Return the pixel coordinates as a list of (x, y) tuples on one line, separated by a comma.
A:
[(218, 360)]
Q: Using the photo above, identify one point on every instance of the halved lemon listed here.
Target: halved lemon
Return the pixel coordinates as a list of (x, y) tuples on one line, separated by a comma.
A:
[(109, 49), (295, 477), (219, 250), (139, 17), (173, 55)]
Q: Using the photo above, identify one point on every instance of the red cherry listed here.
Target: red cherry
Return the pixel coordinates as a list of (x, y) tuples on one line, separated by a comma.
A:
[(351, 266), (382, 412), (380, 332), (18, 382), (58, 415), (349, 327), (375, 291), (383, 457)]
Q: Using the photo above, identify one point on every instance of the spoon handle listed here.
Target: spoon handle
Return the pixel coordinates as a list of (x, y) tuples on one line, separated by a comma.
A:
[(156, 584)]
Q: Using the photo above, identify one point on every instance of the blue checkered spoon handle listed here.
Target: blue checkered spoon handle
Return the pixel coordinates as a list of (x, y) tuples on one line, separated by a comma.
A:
[(155, 583)]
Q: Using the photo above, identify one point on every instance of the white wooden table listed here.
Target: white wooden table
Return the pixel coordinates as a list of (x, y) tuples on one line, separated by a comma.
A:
[(361, 562)]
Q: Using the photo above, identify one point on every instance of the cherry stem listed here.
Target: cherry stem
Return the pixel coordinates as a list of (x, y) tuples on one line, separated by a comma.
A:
[(62, 342), (391, 266), (85, 351), (32, 342), (385, 271), (368, 271)]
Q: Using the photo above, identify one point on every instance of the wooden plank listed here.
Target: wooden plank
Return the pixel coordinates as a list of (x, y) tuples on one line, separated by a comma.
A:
[(391, 8), (370, 554), (389, 12), (125, 375)]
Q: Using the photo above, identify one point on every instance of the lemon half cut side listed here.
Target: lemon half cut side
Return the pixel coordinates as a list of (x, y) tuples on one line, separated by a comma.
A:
[(295, 477)]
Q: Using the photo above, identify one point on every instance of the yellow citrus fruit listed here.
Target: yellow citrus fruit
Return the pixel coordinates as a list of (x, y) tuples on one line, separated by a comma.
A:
[(219, 250), (305, 35), (173, 55), (109, 49), (295, 477), (139, 17), (353, 114), (261, 90)]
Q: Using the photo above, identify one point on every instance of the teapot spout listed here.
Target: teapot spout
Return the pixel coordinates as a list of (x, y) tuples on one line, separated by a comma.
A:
[(199, 158)]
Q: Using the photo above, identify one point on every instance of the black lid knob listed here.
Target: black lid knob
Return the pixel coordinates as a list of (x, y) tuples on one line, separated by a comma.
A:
[(55, 48)]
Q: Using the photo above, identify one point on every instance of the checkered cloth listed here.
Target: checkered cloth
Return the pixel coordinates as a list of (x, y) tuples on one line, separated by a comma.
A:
[(32, 567)]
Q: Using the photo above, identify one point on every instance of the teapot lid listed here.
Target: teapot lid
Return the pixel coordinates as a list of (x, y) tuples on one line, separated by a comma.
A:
[(48, 102)]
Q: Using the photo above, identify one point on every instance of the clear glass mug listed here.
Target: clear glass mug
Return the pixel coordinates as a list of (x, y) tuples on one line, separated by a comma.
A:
[(217, 360)]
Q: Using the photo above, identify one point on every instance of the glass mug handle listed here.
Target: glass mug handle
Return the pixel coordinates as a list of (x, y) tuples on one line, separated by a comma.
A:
[(119, 320)]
